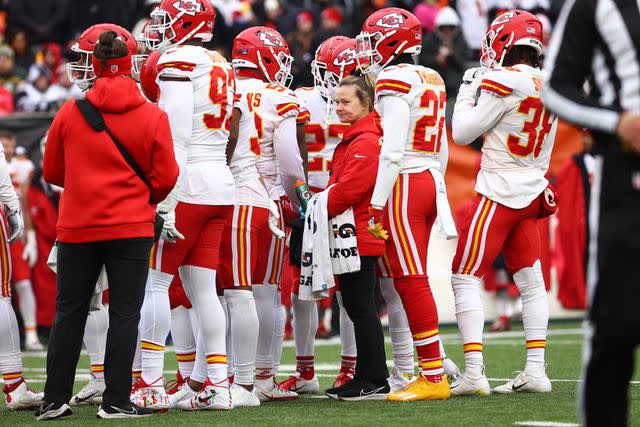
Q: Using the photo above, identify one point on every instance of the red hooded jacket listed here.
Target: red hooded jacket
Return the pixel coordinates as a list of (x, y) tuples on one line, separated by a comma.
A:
[(103, 198), (354, 171)]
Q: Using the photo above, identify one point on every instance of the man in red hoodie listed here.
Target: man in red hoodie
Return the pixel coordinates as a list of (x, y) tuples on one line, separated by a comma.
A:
[(106, 217)]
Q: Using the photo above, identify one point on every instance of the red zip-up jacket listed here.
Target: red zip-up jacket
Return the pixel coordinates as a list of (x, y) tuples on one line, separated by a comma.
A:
[(103, 198), (354, 171)]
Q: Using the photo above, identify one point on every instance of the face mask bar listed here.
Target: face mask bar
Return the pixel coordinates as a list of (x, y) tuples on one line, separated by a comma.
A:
[(155, 32), (81, 72)]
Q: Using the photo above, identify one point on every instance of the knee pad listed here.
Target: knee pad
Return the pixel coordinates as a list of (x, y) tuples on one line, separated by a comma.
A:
[(22, 285), (530, 282), (158, 281), (466, 292)]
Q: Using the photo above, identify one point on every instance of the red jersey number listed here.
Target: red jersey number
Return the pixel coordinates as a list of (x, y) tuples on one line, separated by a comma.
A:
[(436, 102), (536, 129)]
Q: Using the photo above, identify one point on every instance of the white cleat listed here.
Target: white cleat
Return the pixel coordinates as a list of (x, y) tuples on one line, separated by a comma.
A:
[(267, 390), (299, 385), (32, 343), (450, 369), (240, 396), (91, 394), (184, 392), (398, 381), (466, 385), (214, 397), (153, 397), (22, 397), (525, 383)]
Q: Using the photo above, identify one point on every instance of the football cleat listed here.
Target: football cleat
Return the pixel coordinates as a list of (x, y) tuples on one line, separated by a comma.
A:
[(422, 389), (91, 394), (181, 393), (267, 390), (213, 397), (240, 396), (32, 343), (525, 383), (19, 396), (150, 396), (341, 379), (299, 385), (502, 324), (398, 381), (465, 385), (450, 369)]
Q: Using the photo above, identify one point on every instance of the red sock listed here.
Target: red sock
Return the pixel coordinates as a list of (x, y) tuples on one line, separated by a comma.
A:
[(304, 367), (348, 364)]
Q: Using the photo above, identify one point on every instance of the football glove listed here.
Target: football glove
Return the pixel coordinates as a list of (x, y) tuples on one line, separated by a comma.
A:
[(549, 201), (169, 231), (16, 224), (375, 224), (473, 74), (30, 252), (274, 217)]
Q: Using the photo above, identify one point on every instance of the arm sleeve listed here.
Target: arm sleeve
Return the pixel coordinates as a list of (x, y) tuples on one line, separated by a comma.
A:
[(164, 168), (568, 65), (53, 168), (471, 120), (285, 145), (356, 180), (8, 196), (395, 114)]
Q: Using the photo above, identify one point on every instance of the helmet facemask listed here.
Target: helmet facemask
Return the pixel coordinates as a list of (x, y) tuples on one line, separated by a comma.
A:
[(159, 30), (81, 72), (283, 76)]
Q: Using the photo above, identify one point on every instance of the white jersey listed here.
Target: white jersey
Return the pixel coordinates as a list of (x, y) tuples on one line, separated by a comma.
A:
[(249, 189), (519, 139), (20, 170), (323, 132), (423, 89), (201, 112), (276, 104)]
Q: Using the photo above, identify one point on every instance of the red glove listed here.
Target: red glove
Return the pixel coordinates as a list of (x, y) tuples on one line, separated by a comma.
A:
[(375, 224), (549, 199), (288, 212)]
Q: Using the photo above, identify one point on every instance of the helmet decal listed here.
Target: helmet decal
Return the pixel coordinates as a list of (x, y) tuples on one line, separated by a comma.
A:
[(392, 20), (346, 57), (270, 39), (190, 7)]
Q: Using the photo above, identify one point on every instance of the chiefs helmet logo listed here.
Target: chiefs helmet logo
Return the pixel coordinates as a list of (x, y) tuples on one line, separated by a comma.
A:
[(346, 57), (190, 7), (270, 39), (392, 20), (503, 18)]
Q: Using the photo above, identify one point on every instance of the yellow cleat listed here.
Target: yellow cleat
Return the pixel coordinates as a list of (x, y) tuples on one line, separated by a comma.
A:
[(422, 389)]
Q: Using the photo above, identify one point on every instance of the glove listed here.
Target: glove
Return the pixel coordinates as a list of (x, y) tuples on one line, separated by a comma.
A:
[(375, 224), (30, 252), (549, 199), (16, 224), (471, 82), (169, 231), (274, 217)]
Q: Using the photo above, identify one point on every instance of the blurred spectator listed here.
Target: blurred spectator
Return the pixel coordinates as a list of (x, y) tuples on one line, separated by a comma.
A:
[(85, 13), (473, 22), (43, 19), (330, 25), (6, 102), (8, 77), (273, 15), (64, 89), (300, 44), (445, 51), (24, 56), (49, 57), (36, 95), (426, 12)]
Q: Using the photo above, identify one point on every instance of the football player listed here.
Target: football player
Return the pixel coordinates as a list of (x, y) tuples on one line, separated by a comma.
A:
[(262, 62), (411, 102), (196, 91), (513, 193)]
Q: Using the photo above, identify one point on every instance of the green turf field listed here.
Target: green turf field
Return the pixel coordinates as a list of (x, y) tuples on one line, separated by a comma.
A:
[(504, 353)]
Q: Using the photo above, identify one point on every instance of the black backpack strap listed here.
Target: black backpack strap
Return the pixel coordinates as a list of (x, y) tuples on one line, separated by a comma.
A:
[(97, 123)]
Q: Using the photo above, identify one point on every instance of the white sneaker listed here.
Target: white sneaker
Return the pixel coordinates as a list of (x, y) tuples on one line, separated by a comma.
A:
[(398, 381), (184, 392), (22, 397), (466, 385), (91, 394), (214, 397), (267, 390), (150, 396), (32, 343), (299, 385), (240, 396), (450, 369), (525, 382)]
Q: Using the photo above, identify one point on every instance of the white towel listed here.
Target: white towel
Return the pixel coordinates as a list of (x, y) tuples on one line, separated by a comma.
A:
[(343, 244), (446, 226)]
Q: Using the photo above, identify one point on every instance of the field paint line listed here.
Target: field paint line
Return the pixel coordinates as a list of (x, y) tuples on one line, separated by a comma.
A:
[(545, 424), (323, 396)]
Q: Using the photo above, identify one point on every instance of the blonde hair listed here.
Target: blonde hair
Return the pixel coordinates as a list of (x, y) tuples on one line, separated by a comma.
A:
[(364, 91)]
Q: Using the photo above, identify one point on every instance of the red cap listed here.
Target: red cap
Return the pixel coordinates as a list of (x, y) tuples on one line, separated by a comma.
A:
[(333, 14), (305, 16)]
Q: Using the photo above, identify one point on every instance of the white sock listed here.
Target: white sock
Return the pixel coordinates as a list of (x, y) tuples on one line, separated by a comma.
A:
[(95, 339), (502, 303), (305, 325), (401, 339), (278, 337), (228, 338), (470, 316), (347, 333), (243, 330), (199, 285), (27, 307), (184, 342), (155, 323), (199, 372), (535, 315), (10, 354), (265, 298)]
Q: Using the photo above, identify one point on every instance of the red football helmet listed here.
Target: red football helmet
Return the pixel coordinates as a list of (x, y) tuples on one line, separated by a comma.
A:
[(174, 22), (512, 28), (81, 71), (385, 35), (320, 63), (148, 75), (265, 50)]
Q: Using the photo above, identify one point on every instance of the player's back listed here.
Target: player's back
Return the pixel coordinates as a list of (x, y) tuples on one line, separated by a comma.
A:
[(323, 132), (517, 150), (424, 90)]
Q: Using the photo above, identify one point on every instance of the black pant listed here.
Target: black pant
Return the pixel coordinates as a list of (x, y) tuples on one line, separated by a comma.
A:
[(79, 264), (358, 297)]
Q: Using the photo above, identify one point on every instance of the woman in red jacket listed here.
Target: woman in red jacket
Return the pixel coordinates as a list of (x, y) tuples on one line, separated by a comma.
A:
[(106, 217), (353, 175)]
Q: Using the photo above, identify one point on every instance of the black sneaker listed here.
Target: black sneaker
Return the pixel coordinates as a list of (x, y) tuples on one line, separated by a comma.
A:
[(107, 411), (333, 392), (365, 390), (51, 411)]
